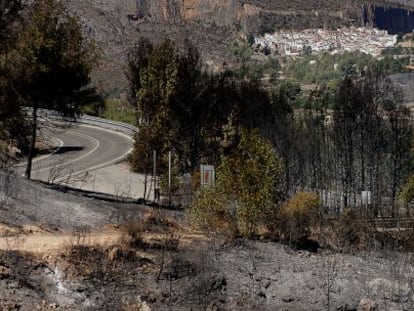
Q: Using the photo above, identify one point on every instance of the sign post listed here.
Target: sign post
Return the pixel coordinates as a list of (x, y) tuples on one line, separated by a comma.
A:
[(366, 200), (169, 178), (207, 176)]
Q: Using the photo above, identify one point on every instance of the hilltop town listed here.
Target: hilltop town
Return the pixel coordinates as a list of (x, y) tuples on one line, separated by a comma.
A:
[(290, 43)]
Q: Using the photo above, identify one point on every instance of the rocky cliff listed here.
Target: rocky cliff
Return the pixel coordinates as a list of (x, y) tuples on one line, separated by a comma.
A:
[(250, 15), (223, 12)]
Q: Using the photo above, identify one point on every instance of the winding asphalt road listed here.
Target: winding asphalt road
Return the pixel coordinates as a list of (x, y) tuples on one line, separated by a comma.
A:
[(79, 151)]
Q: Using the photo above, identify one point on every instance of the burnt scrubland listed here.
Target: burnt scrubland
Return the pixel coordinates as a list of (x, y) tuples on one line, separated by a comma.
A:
[(123, 256)]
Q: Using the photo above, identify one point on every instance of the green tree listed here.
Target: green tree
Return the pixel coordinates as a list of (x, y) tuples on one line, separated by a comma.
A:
[(9, 26), (281, 131), (171, 110), (182, 108), (248, 187), (188, 108), (9, 14), (400, 159), (137, 60), (158, 83), (51, 63)]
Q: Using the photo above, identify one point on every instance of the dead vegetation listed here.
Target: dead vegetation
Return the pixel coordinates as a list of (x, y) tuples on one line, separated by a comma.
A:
[(149, 267), (159, 262)]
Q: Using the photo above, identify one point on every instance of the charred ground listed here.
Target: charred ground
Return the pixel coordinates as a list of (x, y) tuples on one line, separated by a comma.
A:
[(123, 256)]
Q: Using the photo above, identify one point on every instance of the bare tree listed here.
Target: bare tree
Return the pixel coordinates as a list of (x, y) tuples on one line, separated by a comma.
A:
[(329, 275)]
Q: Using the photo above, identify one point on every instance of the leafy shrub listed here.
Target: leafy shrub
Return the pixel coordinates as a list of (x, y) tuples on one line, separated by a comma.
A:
[(297, 216), (347, 233), (407, 192), (247, 188), (209, 212), (133, 234)]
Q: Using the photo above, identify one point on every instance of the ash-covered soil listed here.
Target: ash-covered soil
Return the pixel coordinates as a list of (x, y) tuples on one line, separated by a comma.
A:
[(55, 208), (167, 265)]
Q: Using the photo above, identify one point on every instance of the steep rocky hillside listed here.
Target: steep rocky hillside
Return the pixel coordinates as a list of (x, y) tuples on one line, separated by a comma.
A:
[(213, 25), (248, 13), (115, 27)]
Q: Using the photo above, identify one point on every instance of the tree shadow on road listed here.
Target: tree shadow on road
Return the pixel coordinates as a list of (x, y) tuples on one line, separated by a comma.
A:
[(66, 149)]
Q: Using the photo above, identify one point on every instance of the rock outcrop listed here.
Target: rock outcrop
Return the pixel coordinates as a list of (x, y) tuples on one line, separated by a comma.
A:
[(253, 15), (367, 305)]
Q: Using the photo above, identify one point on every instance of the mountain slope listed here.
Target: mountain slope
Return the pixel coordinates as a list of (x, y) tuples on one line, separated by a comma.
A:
[(213, 25)]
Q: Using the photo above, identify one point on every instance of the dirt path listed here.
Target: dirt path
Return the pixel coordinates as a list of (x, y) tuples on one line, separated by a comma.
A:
[(44, 243), (51, 243)]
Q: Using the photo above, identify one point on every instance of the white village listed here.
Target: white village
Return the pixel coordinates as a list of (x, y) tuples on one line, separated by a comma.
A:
[(290, 43)]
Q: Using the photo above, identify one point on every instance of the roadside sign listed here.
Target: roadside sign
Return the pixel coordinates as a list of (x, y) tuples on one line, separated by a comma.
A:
[(207, 176), (366, 197)]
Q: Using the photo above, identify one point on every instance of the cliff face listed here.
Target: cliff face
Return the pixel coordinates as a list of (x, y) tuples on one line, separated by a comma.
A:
[(254, 15), (117, 25), (221, 12), (268, 15)]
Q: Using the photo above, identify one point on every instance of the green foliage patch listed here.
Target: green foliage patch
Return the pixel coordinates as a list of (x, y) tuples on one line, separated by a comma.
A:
[(330, 68), (297, 216), (249, 179), (117, 110)]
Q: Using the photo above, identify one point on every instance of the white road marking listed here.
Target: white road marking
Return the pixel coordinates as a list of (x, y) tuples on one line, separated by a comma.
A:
[(108, 130), (60, 142), (96, 167), (76, 159), (102, 165)]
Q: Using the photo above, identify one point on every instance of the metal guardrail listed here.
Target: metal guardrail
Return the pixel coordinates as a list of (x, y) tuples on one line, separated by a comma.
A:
[(398, 222), (109, 124), (122, 127), (383, 223)]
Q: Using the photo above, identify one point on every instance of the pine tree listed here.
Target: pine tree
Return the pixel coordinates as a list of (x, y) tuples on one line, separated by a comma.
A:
[(50, 64)]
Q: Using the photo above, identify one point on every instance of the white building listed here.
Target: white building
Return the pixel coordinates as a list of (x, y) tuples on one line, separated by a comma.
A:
[(369, 40)]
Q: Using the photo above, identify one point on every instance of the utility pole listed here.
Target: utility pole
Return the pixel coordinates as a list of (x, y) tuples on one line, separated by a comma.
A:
[(169, 178), (154, 175)]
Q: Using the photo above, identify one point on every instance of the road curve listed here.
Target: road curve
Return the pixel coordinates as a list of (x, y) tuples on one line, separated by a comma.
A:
[(79, 150)]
